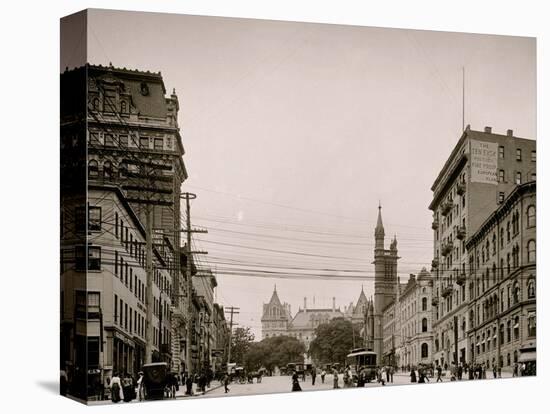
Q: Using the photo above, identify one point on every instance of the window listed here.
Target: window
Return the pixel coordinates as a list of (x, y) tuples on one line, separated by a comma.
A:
[(500, 176), (533, 177), (531, 251), (531, 324), (109, 140), (518, 154), (123, 170), (533, 156), (508, 331), (107, 169), (531, 216), (95, 104), (159, 144), (424, 350), (116, 309), (94, 258), (531, 291), (94, 139), (123, 107), (501, 152), (116, 263), (123, 141), (93, 170), (424, 325), (424, 304), (116, 224), (94, 218), (518, 177), (501, 197), (516, 328), (144, 142)]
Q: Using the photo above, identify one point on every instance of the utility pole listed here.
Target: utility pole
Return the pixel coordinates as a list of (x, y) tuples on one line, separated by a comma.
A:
[(233, 311), (188, 275)]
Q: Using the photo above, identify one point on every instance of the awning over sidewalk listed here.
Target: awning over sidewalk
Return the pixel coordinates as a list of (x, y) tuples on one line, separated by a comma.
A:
[(528, 356)]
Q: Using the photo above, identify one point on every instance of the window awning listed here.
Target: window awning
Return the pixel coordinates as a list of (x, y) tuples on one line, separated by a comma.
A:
[(495, 337), (528, 356), (516, 326)]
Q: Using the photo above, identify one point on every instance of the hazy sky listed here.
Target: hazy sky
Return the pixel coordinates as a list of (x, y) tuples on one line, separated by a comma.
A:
[(305, 127)]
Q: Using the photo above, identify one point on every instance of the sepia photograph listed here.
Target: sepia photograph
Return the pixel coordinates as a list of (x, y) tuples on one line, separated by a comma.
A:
[(258, 206)]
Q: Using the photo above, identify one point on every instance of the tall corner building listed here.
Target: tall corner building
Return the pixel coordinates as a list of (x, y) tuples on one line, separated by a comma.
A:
[(482, 170), (385, 282)]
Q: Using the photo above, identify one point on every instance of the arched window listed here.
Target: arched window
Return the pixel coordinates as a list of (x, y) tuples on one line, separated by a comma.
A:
[(123, 171), (509, 331), (107, 169), (424, 350), (531, 288), (95, 104), (123, 107), (516, 292), (93, 170), (531, 251), (531, 216), (424, 325), (424, 304), (508, 359)]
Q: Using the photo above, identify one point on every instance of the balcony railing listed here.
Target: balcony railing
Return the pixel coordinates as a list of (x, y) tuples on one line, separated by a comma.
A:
[(461, 188), (461, 233), (447, 290), (446, 207), (435, 224), (446, 248), (461, 279)]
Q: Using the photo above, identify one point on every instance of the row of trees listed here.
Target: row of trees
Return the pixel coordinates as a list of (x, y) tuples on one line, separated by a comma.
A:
[(333, 341)]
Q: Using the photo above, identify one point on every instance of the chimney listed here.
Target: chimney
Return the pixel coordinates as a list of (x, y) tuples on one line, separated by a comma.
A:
[(510, 133), (305, 303), (488, 129), (333, 304)]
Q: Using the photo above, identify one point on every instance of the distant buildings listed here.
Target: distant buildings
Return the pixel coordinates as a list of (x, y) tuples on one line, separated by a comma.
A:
[(483, 171), (277, 319)]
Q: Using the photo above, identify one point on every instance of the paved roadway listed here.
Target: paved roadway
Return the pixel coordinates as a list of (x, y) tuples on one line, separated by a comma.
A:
[(279, 384)]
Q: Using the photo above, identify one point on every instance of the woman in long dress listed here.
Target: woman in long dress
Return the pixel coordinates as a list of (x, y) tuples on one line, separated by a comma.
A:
[(296, 382), (116, 388)]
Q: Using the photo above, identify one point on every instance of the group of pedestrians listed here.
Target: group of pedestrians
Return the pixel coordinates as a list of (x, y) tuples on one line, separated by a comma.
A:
[(124, 389)]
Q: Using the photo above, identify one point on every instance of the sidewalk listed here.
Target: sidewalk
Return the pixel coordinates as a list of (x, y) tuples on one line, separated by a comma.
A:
[(214, 385)]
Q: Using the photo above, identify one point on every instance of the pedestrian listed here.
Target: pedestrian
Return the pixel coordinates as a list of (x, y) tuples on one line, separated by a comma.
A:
[(116, 388), (128, 389), (380, 373), (460, 372), (140, 387), (391, 373), (413, 375), (387, 369), (323, 374), (422, 378), (313, 375), (335, 378), (439, 374), (225, 381), (63, 383), (296, 382), (188, 384), (494, 371)]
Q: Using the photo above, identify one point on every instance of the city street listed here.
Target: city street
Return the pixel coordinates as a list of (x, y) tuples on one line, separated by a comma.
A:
[(278, 384)]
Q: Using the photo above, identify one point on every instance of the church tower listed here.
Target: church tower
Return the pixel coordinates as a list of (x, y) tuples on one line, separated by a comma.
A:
[(275, 317), (385, 281)]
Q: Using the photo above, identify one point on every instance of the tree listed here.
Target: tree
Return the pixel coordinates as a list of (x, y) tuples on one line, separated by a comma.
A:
[(276, 351), (334, 340), (241, 341)]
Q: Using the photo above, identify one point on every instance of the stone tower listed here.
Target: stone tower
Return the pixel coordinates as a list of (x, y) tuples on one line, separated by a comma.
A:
[(385, 281), (275, 317)]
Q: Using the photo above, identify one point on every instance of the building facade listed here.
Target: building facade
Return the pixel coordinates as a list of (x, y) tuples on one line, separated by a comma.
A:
[(104, 289), (408, 331), (482, 170), (502, 283)]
